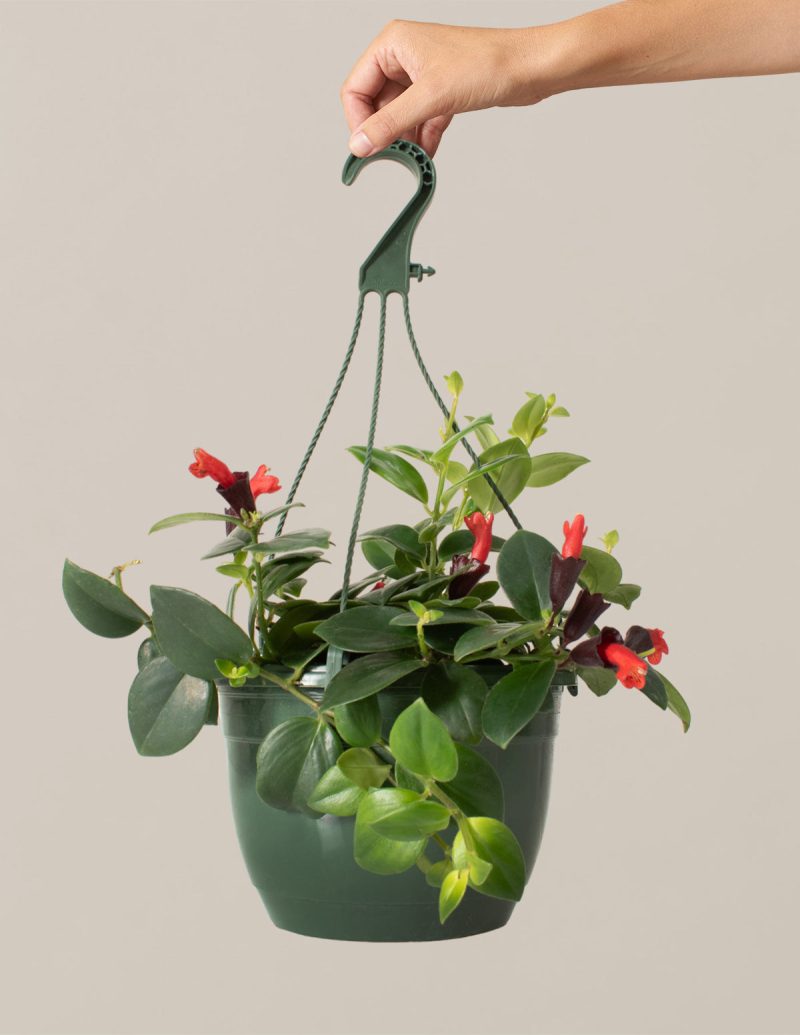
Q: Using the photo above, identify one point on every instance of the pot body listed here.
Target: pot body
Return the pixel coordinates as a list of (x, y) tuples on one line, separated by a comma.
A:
[(303, 868)]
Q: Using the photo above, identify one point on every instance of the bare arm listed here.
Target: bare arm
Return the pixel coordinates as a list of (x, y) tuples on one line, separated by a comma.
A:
[(415, 76)]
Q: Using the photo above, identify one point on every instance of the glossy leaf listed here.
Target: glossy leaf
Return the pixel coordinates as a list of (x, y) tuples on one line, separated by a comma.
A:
[(676, 704), (602, 573), (166, 708), (99, 605), (599, 680), (445, 616), (456, 694), (280, 573), (363, 767), (402, 537), (394, 469), (481, 638), (549, 468), (436, 872), (366, 676), (290, 542), (359, 722), (655, 689), (515, 699), (148, 649), (236, 541), (411, 820), (292, 760), (523, 569), (192, 632), (508, 464), (336, 795), (419, 741), (529, 418), (373, 851), (442, 454), (365, 629), (184, 519), (476, 787), (495, 844), (625, 594), (453, 888)]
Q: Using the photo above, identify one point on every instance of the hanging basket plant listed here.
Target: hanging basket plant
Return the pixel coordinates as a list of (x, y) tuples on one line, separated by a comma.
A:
[(403, 725)]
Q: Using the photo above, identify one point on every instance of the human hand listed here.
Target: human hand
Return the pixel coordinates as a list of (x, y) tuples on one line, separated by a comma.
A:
[(415, 76)]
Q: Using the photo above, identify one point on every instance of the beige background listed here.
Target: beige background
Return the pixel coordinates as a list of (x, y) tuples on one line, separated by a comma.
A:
[(179, 267)]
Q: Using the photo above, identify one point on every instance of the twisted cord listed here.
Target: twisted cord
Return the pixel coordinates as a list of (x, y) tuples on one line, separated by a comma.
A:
[(446, 411), (301, 470)]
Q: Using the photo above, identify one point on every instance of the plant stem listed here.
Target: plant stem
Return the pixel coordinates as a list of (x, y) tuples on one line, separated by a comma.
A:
[(286, 685)]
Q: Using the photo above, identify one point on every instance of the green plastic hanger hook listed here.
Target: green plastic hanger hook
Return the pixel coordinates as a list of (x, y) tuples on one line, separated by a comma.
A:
[(389, 268)]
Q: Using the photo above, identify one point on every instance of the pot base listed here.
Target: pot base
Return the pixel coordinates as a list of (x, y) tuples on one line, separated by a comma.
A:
[(384, 922)]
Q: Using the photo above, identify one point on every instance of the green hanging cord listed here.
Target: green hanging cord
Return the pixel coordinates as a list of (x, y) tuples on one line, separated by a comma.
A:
[(446, 411), (335, 654), (301, 470)]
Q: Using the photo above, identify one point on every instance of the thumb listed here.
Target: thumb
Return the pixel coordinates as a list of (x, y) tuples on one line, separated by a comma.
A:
[(413, 107)]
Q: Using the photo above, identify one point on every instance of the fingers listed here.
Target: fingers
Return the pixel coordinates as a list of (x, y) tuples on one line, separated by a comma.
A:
[(413, 107), (429, 135)]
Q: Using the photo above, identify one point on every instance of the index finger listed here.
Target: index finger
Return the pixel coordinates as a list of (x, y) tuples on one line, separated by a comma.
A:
[(362, 86)]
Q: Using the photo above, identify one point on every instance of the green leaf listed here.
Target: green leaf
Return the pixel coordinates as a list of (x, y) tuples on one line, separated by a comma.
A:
[(192, 632), (509, 465), (99, 605), (372, 850), (462, 541), (292, 760), (602, 573), (280, 573), (234, 571), (655, 689), (359, 722), (456, 694), (363, 767), (482, 637), (303, 539), (148, 649), (528, 419), (402, 537), (336, 795), (236, 541), (184, 519), (523, 569), (676, 704), (436, 872), (495, 844), (625, 594), (455, 383), (610, 540), (413, 451), (486, 435), (515, 699), (419, 741), (377, 554), (476, 788), (366, 676), (166, 708), (442, 454), (446, 616), (454, 886), (394, 469), (549, 468), (411, 820), (365, 629), (599, 680)]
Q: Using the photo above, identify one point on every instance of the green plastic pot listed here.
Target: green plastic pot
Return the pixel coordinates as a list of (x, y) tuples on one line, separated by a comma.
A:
[(303, 868)]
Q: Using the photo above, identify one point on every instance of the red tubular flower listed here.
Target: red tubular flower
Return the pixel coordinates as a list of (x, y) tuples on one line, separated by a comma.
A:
[(574, 535), (262, 483), (207, 466), (481, 527), (660, 647), (631, 670)]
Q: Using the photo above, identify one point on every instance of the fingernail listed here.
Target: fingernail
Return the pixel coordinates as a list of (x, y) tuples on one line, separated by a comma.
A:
[(360, 144)]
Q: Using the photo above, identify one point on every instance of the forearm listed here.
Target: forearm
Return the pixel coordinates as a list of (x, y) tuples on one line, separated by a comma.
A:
[(657, 41)]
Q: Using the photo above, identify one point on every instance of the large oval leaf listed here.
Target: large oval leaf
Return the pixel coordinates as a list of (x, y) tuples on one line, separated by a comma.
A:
[(523, 569), (549, 468), (166, 708), (363, 767), (495, 844), (602, 572), (192, 632), (482, 637), (365, 629), (336, 795), (394, 469), (676, 703), (510, 479), (420, 742), (402, 537), (292, 760), (476, 787), (99, 605), (515, 699), (366, 676), (456, 694), (372, 850), (303, 539), (410, 819), (359, 722)]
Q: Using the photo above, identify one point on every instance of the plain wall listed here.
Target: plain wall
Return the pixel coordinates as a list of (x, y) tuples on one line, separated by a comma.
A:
[(178, 269)]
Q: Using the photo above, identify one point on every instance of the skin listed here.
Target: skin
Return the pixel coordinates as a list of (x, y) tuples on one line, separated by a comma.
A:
[(415, 76)]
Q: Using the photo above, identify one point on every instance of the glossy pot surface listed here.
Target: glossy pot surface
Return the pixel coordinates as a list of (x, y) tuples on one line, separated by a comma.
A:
[(303, 868)]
